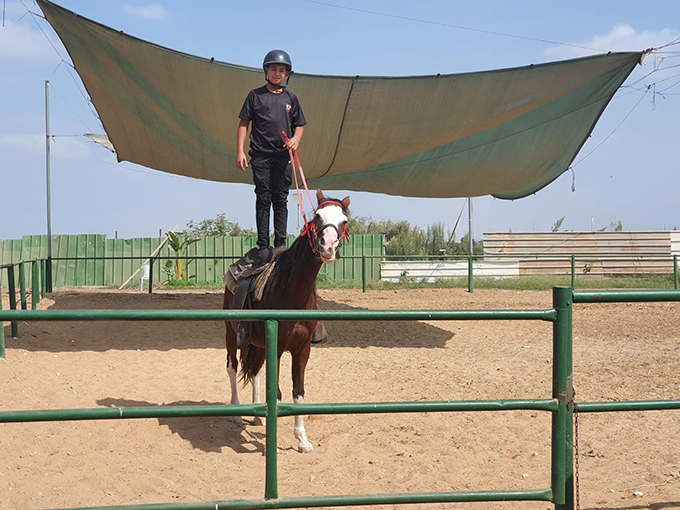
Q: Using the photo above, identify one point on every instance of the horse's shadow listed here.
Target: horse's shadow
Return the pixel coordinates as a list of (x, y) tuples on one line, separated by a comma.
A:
[(414, 334), (206, 433), (165, 336)]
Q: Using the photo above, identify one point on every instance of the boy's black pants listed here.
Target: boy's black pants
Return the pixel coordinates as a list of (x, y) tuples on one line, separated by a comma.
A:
[(272, 175)]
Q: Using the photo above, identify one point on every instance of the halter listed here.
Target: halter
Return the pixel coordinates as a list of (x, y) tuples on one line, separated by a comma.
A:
[(313, 234)]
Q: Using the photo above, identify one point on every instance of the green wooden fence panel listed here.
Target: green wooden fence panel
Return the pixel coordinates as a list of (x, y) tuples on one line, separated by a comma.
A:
[(59, 249), (10, 251), (84, 270)]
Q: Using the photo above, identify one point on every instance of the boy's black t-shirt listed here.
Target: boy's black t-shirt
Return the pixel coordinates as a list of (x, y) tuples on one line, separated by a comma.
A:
[(270, 114)]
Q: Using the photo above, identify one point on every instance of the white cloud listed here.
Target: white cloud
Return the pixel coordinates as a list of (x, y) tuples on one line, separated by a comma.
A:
[(153, 11), (20, 41), (620, 38)]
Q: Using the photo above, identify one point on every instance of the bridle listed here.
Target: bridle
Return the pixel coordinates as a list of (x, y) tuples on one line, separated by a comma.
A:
[(313, 234)]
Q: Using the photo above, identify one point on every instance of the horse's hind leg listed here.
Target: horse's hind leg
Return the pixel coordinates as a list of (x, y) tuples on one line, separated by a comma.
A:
[(232, 368), (300, 358)]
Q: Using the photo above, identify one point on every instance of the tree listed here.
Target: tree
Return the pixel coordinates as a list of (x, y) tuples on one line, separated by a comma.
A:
[(215, 227), (558, 224), (401, 238), (436, 238)]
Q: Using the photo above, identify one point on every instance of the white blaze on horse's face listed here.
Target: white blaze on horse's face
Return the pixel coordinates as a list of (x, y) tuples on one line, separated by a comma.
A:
[(329, 238)]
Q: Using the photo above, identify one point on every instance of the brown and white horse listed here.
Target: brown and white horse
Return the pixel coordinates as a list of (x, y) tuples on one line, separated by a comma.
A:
[(292, 285)]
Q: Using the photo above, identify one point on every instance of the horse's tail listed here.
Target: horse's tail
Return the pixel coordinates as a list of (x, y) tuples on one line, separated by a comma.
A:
[(252, 360)]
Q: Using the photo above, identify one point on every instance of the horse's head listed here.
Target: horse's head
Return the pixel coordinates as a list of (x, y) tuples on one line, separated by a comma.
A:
[(328, 227)]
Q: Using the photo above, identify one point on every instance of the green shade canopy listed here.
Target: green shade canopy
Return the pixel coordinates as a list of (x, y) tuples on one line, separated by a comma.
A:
[(507, 133)]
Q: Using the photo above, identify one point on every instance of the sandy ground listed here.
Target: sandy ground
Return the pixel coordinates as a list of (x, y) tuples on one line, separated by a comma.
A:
[(622, 352)]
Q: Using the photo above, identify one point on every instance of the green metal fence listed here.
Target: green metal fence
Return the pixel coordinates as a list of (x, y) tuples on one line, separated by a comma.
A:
[(39, 286), (668, 260), (94, 260), (562, 405), (272, 409)]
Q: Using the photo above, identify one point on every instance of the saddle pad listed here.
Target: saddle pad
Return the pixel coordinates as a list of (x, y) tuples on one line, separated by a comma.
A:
[(257, 289), (231, 282)]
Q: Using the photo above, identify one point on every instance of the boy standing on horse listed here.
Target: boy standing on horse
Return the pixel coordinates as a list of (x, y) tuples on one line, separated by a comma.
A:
[(272, 109)]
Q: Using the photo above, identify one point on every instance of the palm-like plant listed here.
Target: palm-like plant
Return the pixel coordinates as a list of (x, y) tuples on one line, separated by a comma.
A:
[(177, 269)]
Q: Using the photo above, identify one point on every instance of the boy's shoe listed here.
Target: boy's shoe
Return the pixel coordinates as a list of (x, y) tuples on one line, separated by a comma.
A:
[(264, 256)]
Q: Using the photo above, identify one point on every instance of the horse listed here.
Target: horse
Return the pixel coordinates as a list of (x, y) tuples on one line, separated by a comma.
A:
[(291, 285)]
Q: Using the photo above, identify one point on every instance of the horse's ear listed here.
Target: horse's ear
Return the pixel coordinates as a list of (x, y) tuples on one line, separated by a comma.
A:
[(319, 197), (345, 202)]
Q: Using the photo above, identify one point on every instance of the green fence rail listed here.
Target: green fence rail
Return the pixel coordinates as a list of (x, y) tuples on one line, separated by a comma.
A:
[(668, 261)]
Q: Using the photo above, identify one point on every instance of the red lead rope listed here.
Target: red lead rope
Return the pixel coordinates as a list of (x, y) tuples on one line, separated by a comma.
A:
[(304, 182), (297, 187), (308, 225)]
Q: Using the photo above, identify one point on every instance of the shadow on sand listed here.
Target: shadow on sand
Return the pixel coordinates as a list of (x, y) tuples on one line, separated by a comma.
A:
[(206, 433), (102, 336)]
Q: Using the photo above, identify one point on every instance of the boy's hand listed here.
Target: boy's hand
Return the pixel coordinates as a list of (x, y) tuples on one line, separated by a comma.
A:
[(292, 144), (241, 161)]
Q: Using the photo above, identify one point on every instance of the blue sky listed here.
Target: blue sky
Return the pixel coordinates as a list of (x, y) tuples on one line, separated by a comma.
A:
[(634, 176)]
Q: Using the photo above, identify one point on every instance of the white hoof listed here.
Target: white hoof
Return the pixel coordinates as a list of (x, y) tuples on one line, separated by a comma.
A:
[(305, 446)]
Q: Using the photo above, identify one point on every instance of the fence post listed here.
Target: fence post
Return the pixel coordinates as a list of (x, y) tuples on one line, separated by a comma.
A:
[(470, 289), (271, 490), (48, 275), (12, 298), (2, 331), (151, 275), (363, 273), (35, 285), (22, 285), (562, 458), (675, 271), (42, 278), (573, 272)]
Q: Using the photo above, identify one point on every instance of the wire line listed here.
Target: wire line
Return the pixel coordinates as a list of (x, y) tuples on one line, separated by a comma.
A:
[(459, 27), (67, 104), (617, 127)]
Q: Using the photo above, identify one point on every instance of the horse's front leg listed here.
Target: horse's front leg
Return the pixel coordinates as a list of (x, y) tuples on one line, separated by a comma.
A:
[(300, 358), (256, 396)]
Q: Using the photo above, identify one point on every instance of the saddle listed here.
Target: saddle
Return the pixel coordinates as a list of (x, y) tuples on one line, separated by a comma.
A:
[(247, 281)]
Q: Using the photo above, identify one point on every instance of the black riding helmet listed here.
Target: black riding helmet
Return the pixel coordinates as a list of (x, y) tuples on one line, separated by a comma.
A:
[(278, 57)]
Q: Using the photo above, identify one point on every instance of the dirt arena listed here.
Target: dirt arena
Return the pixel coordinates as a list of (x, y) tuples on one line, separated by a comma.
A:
[(622, 352)]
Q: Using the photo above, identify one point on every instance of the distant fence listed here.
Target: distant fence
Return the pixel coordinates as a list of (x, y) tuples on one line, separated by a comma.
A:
[(599, 253), (432, 270), (509, 266), (89, 259)]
